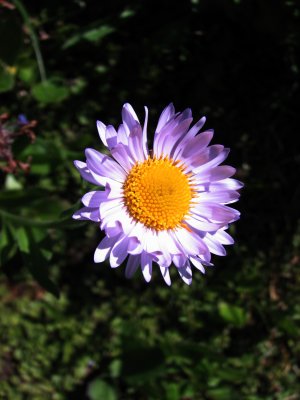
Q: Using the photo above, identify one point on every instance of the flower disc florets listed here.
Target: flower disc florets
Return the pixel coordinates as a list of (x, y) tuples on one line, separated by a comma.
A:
[(158, 194)]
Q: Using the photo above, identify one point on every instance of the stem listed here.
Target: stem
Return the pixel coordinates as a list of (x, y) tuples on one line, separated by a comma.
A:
[(34, 39), (30, 222)]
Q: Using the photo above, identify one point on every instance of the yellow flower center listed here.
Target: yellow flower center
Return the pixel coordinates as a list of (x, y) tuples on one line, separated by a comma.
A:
[(158, 193)]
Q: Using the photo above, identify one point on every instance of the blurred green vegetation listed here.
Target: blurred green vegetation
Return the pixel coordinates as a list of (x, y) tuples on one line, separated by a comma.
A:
[(70, 329)]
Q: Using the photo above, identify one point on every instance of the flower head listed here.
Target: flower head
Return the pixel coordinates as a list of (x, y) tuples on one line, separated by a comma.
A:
[(166, 206)]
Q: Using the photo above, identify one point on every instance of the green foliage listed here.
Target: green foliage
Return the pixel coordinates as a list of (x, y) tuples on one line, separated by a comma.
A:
[(70, 329), (88, 342), (47, 92), (94, 35), (99, 389), (233, 314), (7, 79)]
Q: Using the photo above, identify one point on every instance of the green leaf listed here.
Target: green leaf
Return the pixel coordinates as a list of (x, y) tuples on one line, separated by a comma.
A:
[(8, 247), (46, 254), (27, 72), (22, 239), (7, 80), (3, 238), (11, 183), (72, 41), (49, 92), (173, 391), (97, 34), (288, 326), (115, 368), (127, 13), (4, 242), (36, 262), (38, 234), (233, 375), (78, 85), (20, 235), (101, 390), (94, 35), (40, 169), (223, 393), (233, 314)]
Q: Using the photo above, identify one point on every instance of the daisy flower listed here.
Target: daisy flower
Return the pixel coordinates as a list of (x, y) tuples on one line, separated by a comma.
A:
[(165, 206)]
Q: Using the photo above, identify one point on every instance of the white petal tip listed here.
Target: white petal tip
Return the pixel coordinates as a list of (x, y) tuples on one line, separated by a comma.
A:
[(98, 258), (77, 215), (79, 164)]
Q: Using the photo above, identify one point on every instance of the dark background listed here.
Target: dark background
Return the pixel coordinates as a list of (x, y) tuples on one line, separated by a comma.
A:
[(234, 334)]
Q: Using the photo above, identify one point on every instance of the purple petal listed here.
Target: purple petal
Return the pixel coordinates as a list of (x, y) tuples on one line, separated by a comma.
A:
[(226, 184), (165, 116), (225, 197), (145, 145), (129, 116), (113, 228), (132, 266), (111, 217), (135, 143), (101, 130), (86, 173), (191, 242), (163, 258), (216, 212), (214, 174), (104, 165), (187, 113), (195, 129), (202, 158), (173, 131), (184, 141), (173, 136), (194, 146), (166, 275), (111, 137), (179, 260), (186, 273), (134, 245), (201, 224), (215, 158), (196, 262), (146, 266), (87, 213), (122, 135), (119, 252), (103, 249), (223, 237), (94, 198), (123, 156), (214, 246)]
